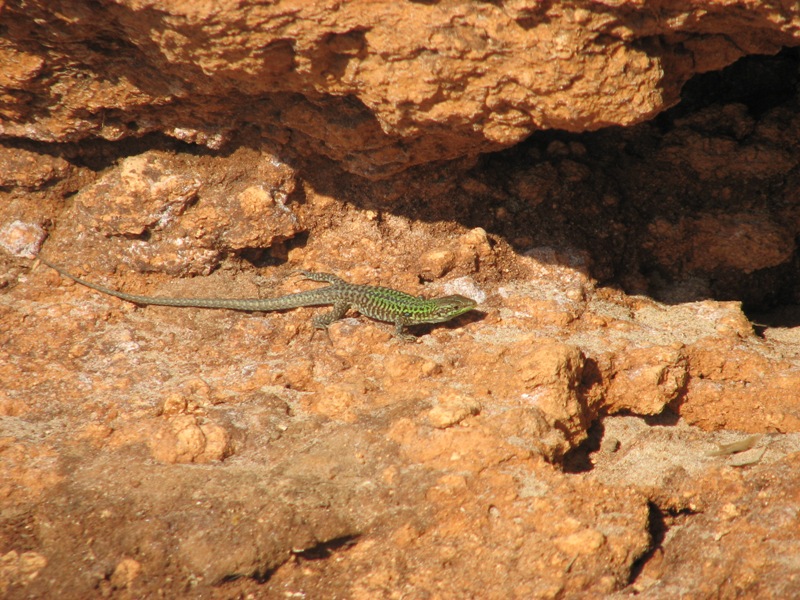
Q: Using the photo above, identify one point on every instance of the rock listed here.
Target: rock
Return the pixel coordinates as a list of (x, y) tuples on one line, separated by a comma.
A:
[(377, 87), (556, 442)]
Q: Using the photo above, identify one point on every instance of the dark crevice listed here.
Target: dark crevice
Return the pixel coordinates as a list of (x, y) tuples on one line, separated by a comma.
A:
[(666, 418), (324, 550), (321, 551), (277, 253), (102, 154), (784, 316), (759, 82), (258, 576), (657, 529), (577, 460), (658, 523)]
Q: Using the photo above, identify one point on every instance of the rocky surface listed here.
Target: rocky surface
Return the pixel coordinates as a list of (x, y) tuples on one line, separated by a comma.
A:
[(619, 417), (376, 86)]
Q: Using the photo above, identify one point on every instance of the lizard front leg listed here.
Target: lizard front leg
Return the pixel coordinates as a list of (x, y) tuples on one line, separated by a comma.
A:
[(398, 332)]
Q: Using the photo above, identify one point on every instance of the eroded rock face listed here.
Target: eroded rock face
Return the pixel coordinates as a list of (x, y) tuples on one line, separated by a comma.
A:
[(543, 446), (377, 86)]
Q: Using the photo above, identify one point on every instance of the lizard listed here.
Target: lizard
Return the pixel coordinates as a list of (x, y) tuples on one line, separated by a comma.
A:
[(376, 302)]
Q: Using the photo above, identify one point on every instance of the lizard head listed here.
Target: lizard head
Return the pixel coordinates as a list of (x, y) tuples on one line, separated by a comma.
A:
[(447, 308)]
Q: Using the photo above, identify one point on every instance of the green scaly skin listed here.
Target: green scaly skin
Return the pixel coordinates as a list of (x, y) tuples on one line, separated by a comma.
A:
[(381, 303)]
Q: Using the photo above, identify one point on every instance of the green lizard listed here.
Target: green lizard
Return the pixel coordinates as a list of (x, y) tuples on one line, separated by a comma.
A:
[(381, 303)]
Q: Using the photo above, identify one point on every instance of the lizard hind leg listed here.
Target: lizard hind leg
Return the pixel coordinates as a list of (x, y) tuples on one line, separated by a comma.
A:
[(326, 277), (324, 321)]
